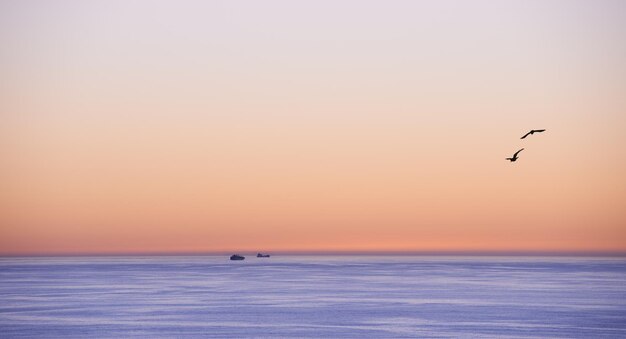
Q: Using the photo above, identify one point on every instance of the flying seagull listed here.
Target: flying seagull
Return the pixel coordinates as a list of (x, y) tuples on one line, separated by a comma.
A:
[(533, 131), (514, 156)]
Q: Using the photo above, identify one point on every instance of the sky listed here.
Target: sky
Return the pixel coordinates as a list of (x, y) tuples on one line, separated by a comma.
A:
[(216, 126)]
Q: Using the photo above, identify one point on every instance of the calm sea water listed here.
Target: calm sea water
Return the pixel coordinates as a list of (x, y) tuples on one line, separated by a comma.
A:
[(313, 296)]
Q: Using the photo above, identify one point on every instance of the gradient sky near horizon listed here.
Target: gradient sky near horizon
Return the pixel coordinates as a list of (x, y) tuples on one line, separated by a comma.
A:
[(192, 126)]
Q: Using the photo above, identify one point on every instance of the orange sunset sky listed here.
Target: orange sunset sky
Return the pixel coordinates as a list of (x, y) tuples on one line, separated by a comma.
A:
[(215, 126)]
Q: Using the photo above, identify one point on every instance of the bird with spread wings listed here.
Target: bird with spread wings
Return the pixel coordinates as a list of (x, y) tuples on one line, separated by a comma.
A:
[(533, 131), (514, 158)]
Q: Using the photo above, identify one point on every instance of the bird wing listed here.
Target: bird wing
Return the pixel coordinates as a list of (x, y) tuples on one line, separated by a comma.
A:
[(538, 130), (525, 135), (517, 152)]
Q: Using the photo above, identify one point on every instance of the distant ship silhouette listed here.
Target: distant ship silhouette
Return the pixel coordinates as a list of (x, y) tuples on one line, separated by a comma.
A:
[(259, 255), (237, 257)]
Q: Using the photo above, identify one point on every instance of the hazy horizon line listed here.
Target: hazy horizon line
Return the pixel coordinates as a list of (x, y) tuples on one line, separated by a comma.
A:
[(597, 253)]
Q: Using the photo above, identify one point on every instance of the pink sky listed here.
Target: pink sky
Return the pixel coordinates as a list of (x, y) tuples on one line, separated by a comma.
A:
[(195, 126)]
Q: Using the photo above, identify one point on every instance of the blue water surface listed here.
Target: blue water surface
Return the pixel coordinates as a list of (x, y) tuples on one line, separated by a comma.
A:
[(313, 297)]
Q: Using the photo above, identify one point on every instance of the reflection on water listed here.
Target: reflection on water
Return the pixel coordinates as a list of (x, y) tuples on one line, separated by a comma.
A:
[(313, 296)]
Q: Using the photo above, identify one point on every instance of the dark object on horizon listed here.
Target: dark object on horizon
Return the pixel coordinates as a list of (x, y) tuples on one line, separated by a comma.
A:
[(259, 255), (514, 156), (237, 257), (533, 131)]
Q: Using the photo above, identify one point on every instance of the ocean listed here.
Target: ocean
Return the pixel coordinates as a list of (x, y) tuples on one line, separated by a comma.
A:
[(313, 297)]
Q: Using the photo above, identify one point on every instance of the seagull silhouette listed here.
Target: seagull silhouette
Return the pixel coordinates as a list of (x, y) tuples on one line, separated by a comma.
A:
[(533, 131), (514, 156)]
